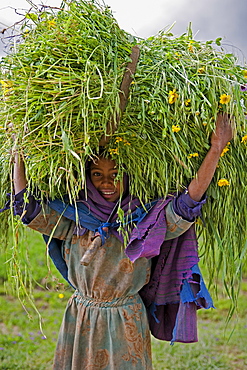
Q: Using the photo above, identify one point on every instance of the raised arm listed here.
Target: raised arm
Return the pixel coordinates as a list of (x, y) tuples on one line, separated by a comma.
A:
[(220, 137), (19, 176)]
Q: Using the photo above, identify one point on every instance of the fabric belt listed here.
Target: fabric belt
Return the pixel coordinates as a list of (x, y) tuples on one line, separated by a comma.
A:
[(95, 302)]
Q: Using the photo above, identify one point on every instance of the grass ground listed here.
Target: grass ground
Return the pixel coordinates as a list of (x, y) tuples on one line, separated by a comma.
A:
[(23, 345)]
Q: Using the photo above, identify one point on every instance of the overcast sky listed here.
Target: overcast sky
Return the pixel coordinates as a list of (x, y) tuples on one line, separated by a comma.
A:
[(210, 18)]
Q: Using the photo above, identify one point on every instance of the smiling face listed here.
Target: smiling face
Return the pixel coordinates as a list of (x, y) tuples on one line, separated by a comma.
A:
[(103, 173)]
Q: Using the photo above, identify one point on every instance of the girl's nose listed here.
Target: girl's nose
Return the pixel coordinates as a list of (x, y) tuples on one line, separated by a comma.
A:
[(107, 180)]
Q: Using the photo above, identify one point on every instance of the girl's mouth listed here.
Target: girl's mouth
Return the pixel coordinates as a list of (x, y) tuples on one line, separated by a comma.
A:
[(107, 193)]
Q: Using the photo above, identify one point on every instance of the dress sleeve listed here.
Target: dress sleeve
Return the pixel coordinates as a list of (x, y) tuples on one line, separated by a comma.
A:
[(26, 206), (41, 217), (186, 207), (50, 222), (181, 214)]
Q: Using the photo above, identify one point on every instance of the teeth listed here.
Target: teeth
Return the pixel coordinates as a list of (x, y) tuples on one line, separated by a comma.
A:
[(108, 192)]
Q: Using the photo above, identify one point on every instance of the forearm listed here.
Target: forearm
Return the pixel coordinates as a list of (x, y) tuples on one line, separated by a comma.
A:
[(204, 176), (222, 134), (19, 176)]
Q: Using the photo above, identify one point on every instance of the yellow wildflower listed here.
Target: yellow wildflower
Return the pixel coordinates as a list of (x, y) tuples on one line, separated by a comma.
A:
[(61, 295), (204, 123), (6, 86), (224, 99), (197, 113), (244, 139), (25, 33), (118, 139), (223, 182), (175, 128), (192, 155), (4, 83), (190, 47), (225, 150), (187, 102), (245, 73), (201, 70), (172, 96), (199, 222), (52, 23), (114, 151)]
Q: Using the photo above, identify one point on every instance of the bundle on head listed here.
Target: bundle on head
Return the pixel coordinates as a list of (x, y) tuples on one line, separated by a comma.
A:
[(60, 89)]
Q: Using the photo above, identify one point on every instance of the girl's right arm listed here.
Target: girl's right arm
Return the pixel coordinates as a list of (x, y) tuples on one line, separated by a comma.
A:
[(26, 210), (36, 216), (19, 175)]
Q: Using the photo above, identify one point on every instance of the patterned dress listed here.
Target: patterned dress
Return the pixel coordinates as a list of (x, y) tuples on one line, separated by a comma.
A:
[(105, 324)]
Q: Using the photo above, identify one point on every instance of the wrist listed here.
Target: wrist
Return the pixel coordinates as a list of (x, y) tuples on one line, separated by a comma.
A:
[(216, 149)]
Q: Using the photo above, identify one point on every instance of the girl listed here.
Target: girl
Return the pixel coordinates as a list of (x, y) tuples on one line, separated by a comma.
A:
[(105, 325)]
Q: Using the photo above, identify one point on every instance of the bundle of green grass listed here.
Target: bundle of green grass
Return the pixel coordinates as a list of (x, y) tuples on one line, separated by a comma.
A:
[(60, 89)]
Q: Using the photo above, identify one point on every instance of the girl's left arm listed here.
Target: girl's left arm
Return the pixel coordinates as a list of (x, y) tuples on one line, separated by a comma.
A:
[(183, 210), (221, 136)]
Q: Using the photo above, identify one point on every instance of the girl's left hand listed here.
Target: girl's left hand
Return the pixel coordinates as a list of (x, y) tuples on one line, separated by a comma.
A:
[(223, 132)]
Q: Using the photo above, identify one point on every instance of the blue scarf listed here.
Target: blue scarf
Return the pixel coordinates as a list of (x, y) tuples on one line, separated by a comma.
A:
[(85, 218)]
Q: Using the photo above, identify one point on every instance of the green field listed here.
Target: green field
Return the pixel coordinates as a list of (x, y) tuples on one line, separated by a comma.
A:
[(24, 346)]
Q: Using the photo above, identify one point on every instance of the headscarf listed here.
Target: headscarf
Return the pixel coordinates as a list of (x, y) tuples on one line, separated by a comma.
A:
[(102, 208)]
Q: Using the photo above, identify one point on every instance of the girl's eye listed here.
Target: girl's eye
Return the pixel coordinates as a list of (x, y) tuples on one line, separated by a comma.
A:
[(96, 174), (114, 174)]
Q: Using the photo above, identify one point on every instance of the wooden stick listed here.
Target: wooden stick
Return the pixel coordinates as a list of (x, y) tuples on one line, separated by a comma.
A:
[(91, 251), (111, 128), (123, 95)]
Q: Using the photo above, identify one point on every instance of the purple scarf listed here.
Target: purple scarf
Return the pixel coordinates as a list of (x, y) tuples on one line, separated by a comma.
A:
[(102, 208), (147, 237)]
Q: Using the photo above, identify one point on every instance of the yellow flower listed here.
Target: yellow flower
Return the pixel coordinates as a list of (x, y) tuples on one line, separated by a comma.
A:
[(118, 139), (61, 295), (187, 102), (245, 73), (244, 139), (6, 86), (175, 128), (190, 47), (172, 96), (193, 155), (204, 123), (25, 33), (223, 182), (224, 151), (4, 83), (114, 151), (199, 222), (201, 70), (197, 113), (52, 23), (224, 99)]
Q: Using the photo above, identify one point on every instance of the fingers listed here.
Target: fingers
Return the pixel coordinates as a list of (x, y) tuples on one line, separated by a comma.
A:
[(225, 118)]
